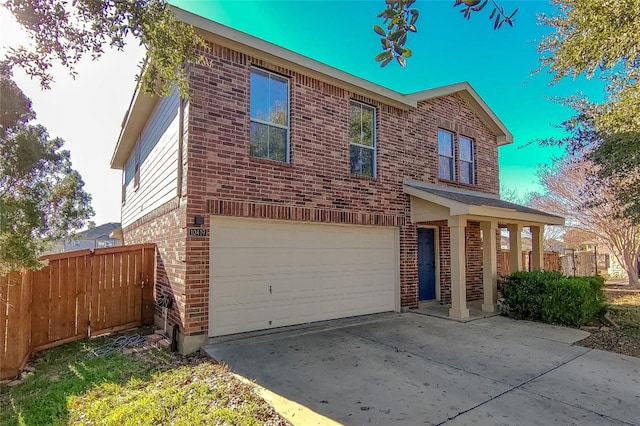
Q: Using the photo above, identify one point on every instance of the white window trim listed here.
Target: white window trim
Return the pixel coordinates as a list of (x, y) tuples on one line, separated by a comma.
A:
[(452, 156), (472, 162), (268, 123), (374, 136)]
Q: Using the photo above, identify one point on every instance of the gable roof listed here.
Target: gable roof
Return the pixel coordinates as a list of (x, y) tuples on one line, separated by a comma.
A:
[(142, 104), (467, 202), (99, 232)]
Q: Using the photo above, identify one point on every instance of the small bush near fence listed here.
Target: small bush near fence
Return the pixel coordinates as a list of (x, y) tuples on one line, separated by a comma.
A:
[(553, 298)]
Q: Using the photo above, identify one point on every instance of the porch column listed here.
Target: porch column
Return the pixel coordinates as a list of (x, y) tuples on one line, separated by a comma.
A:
[(457, 231), (537, 249), (515, 247), (489, 266)]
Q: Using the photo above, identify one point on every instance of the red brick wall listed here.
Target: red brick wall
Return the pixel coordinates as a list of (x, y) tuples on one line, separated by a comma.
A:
[(165, 227), (220, 173), (473, 247)]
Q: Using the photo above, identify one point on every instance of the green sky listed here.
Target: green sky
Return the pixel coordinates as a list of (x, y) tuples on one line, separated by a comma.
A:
[(447, 49)]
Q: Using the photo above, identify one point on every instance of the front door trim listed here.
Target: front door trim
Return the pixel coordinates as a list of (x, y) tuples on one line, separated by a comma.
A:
[(436, 248)]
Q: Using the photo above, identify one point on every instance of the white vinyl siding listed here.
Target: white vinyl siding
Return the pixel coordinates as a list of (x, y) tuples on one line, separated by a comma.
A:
[(267, 273), (158, 153)]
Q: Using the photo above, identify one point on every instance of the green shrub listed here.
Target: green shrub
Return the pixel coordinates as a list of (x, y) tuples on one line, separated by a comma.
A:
[(551, 297), (523, 292), (572, 301)]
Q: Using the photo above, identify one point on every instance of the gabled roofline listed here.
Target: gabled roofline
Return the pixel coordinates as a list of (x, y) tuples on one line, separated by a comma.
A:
[(468, 93), (142, 103), (246, 43)]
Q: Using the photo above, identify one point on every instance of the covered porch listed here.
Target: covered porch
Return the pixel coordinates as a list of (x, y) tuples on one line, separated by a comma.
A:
[(458, 207)]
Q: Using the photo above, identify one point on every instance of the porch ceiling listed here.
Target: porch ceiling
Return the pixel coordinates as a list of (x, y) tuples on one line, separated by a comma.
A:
[(433, 202)]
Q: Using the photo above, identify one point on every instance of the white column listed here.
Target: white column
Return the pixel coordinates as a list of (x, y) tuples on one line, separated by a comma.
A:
[(489, 266), (537, 249), (457, 228), (515, 247)]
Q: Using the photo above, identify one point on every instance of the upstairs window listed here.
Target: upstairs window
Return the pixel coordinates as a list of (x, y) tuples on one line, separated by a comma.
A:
[(467, 169), (446, 163), (269, 105), (362, 136)]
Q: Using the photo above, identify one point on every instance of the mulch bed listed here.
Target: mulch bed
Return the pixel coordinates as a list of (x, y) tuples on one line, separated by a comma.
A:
[(623, 341)]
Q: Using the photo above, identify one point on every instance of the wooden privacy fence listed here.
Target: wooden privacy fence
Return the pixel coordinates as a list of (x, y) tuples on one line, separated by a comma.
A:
[(78, 294), (551, 262)]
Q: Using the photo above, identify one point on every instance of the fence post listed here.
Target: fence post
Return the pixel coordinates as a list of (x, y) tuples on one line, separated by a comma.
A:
[(149, 268)]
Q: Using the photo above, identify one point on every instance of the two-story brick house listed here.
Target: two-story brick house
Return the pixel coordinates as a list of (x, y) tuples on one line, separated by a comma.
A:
[(285, 191)]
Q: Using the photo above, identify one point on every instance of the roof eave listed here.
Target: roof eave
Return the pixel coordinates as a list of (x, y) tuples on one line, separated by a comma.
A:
[(457, 208), (133, 124), (489, 211), (246, 43)]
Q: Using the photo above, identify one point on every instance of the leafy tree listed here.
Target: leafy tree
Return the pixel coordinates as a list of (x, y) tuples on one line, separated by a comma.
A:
[(400, 18), (591, 206), (619, 157), (600, 38), (65, 33), (41, 196)]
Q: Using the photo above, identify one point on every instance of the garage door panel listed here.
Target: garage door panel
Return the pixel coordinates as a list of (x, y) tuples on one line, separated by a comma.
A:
[(268, 274), (299, 235), (273, 275), (335, 284), (352, 276), (319, 310), (254, 260), (363, 280)]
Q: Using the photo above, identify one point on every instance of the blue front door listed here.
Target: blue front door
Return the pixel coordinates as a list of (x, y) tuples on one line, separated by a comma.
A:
[(426, 265)]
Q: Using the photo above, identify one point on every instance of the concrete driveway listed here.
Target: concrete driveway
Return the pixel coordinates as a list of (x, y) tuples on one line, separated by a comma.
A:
[(413, 369)]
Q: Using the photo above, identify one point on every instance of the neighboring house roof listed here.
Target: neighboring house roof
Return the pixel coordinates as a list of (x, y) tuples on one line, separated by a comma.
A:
[(142, 104), (99, 232), (473, 203)]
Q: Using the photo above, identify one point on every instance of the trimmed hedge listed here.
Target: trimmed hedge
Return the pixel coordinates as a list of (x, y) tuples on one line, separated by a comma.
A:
[(553, 298)]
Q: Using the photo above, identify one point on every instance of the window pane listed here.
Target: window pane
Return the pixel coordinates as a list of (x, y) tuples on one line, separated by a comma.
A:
[(278, 101), (259, 95), (466, 172), (268, 142), (466, 149), (445, 168), (355, 125), (277, 144), (367, 126), (362, 160), (259, 140), (445, 143)]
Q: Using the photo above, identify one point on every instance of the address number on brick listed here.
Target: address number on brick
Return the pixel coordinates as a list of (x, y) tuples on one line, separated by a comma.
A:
[(197, 232)]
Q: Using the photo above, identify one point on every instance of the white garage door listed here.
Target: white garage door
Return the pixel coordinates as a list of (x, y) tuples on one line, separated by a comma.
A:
[(267, 273)]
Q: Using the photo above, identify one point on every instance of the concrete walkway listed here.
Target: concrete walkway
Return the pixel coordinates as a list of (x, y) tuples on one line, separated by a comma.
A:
[(414, 369)]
